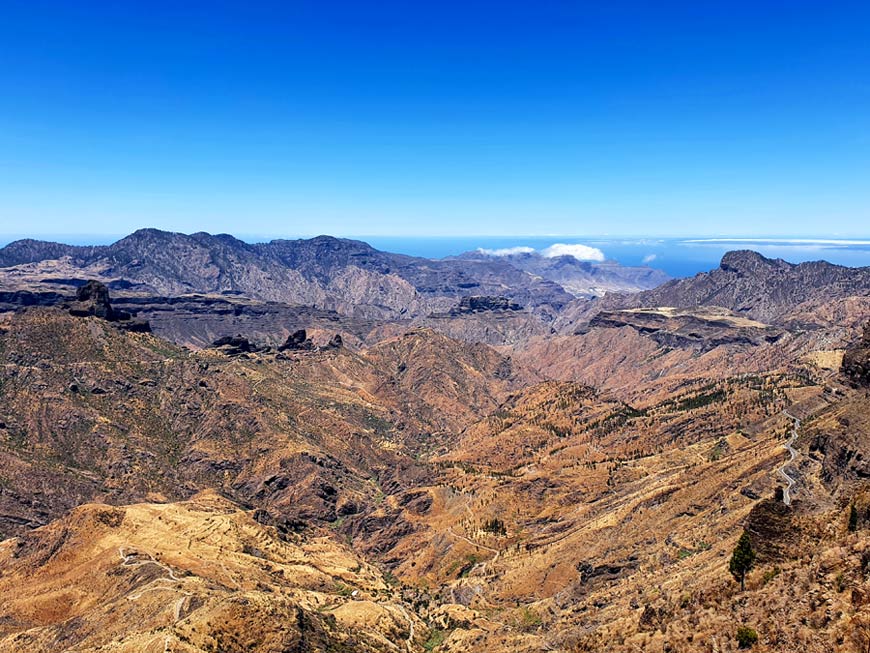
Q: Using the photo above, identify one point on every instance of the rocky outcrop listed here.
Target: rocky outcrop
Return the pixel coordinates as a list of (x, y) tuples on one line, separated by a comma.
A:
[(92, 299), (856, 361), (771, 531), (235, 345), (482, 304), (297, 341)]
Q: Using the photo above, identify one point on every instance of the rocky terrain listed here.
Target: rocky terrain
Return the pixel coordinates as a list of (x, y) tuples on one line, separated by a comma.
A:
[(701, 327), (195, 288), (199, 575), (856, 359), (581, 278), (328, 273), (230, 472), (772, 291)]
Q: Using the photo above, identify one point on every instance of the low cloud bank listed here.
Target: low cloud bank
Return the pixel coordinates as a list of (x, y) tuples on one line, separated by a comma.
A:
[(507, 251), (580, 252)]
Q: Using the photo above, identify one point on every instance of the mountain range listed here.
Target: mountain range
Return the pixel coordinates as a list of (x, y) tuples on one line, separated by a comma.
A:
[(339, 274), (511, 465)]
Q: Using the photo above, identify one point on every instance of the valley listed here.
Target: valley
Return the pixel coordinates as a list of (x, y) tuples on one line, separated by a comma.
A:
[(487, 458)]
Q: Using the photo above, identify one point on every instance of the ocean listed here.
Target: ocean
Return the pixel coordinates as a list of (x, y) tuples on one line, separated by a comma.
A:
[(679, 257)]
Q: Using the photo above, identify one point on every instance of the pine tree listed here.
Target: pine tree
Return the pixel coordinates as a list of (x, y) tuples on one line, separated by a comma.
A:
[(742, 559), (853, 518)]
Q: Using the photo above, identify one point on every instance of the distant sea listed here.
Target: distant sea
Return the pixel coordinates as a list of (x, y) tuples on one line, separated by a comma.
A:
[(679, 257)]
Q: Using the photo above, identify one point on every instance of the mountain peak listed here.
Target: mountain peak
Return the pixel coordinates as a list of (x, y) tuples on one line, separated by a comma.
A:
[(747, 260)]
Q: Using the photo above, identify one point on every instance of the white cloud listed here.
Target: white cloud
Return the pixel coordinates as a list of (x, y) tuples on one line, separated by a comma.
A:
[(649, 258), (580, 252), (507, 251)]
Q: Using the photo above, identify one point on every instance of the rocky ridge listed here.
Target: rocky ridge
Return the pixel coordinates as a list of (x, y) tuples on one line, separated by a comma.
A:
[(324, 272), (772, 291)]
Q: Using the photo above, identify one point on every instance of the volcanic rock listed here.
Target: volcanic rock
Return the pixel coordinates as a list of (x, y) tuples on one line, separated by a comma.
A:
[(771, 531), (478, 304), (297, 341), (92, 299), (235, 345)]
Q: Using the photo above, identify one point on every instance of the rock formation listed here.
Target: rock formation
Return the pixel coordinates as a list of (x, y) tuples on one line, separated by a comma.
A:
[(477, 304), (297, 341), (235, 345), (92, 299), (856, 360)]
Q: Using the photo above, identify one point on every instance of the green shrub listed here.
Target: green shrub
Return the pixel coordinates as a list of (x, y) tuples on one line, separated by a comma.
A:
[(746, 637), (436, 639), (770, 574), (343, 590), (528, 620)]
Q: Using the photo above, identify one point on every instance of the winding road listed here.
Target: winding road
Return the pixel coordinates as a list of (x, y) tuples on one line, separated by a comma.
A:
[(481, 565), (409, 644), (786, 493), (131, 560), (473, 543)]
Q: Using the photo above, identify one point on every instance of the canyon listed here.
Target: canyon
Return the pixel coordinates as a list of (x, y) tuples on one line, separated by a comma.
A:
[(207, 445)]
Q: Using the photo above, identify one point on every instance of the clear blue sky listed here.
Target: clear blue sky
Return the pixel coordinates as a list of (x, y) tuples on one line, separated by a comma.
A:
[(412, 118)]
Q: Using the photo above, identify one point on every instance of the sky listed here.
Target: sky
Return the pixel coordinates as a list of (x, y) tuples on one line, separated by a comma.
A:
[(435, 118)]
